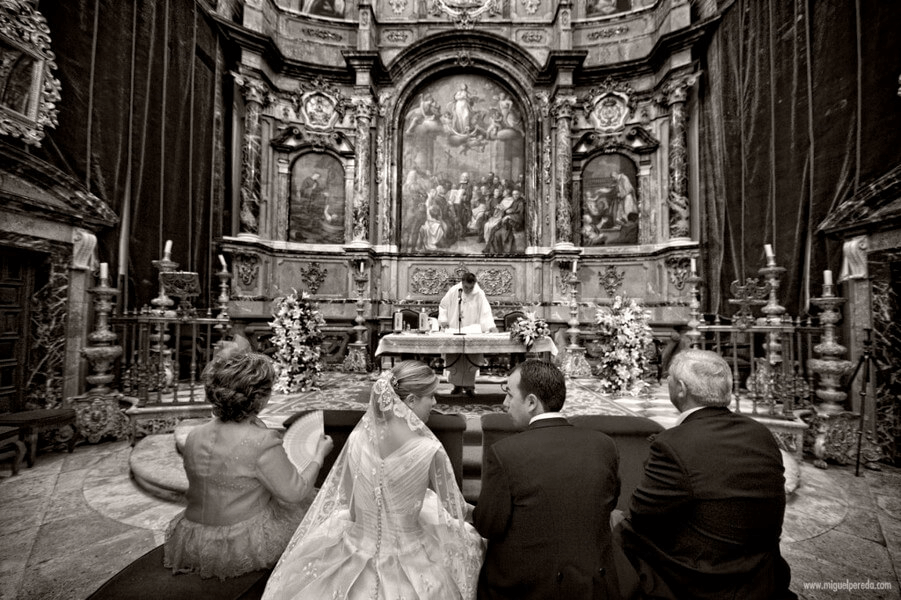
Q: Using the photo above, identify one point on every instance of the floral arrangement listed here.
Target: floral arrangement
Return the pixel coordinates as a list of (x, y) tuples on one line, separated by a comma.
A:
[(623, 336), (298, 359), (529, 328)]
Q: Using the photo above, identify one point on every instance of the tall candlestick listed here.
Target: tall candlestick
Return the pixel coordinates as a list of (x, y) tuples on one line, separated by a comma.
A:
[(167, 251), (104, 271), (827, 277), (222, 262), (694, 266)]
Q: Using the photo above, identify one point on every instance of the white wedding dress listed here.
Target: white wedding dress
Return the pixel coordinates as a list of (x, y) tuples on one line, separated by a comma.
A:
[(383, 527)]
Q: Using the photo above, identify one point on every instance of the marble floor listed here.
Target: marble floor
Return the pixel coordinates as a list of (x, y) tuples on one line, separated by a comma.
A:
[(73, 520)]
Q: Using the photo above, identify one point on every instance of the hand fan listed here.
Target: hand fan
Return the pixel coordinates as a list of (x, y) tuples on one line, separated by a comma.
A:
[(302, 438)]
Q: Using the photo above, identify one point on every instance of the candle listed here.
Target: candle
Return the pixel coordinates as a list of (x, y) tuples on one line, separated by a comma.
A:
[(827, 277), (694, 266), (575, 263), (362, 266), (104, 271), (222, 262), (768, 250), (167, 252)]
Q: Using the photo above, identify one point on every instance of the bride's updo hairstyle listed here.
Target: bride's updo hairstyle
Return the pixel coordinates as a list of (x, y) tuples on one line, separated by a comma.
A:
[(413, 377), (238, 384)]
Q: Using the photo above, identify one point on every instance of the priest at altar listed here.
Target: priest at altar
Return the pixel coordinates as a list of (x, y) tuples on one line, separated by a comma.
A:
[(463, 309)]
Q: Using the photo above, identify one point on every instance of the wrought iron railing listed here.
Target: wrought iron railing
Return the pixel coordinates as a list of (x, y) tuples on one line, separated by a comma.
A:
[(164, 355)]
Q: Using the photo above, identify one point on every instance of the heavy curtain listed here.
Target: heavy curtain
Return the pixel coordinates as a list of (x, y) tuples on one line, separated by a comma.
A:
[(799, 108), (138, 124)]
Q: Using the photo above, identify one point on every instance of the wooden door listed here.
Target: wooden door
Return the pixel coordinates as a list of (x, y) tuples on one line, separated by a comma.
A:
[(16, 283)]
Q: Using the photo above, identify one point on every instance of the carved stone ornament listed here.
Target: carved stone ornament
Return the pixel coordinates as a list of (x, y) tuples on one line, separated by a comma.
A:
[(291, 138), (430, 281), (248, 268), (544, 103), (319, 103), (609, 112), (678, 269), (398, 6), (253, 90), (496, 282), (313, 276), (464, 13), (635, 139), (609, 105), (531, 6), (29, 89), (612, 280)]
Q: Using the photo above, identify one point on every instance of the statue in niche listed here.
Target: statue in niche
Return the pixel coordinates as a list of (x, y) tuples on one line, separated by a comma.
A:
[(316, 209), (610, 207), (463, 176)]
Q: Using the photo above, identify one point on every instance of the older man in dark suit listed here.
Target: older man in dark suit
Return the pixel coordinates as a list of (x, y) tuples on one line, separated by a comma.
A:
[(546, 499), (705, 520)]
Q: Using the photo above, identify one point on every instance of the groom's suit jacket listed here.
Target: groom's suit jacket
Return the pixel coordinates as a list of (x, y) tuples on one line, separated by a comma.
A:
[(544, 508), (706, 518)]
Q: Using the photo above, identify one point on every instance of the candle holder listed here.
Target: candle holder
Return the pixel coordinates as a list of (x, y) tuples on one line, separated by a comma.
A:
[(830, 367), (773, 311), (165, 370), (98, 412), (224, 276), (357, 359), (575, 364), (694, 309)]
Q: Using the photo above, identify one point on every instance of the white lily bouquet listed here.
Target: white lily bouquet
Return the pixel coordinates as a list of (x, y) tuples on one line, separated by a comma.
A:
[(298, 359), (623, 335), (529, 328)]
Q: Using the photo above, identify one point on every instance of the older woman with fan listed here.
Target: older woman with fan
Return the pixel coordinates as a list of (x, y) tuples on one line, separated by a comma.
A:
[(389, 521), (245, 497)]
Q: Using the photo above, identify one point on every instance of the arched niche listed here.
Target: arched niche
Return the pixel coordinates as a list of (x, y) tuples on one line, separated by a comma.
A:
[(314, 186), (463, 168), (610, 205), (316, 199)]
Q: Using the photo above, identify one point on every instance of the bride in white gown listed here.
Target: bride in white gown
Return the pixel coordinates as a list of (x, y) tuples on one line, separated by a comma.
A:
[(389, 519)]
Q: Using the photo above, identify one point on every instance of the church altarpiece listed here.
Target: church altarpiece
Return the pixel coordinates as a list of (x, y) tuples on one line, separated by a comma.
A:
[(458, 166)]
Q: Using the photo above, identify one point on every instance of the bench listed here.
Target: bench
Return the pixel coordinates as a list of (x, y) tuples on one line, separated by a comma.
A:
[(33, 422)]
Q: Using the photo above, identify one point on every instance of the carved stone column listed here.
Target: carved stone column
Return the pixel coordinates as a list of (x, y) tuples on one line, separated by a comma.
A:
[(563, 112), (364, 112), (255, 95), (679, 207)]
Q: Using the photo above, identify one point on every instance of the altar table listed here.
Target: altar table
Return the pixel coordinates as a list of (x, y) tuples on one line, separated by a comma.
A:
[(448, 343)]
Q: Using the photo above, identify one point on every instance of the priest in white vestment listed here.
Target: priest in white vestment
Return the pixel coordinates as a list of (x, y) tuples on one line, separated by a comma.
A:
[(467, 299)]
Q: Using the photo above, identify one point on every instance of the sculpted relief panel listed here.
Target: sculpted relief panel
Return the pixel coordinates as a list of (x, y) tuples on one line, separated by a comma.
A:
[(462, 171)]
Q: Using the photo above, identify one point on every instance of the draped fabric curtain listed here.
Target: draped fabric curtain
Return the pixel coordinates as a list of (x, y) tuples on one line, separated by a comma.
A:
[(798, 110), (137, 124)]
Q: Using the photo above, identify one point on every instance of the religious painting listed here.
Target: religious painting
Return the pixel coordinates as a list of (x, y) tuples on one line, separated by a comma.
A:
[(603, 8), (609, 202), (463, 169), (316, 209)]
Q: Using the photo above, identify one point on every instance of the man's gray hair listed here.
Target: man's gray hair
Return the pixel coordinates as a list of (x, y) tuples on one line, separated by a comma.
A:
[(705, 374)]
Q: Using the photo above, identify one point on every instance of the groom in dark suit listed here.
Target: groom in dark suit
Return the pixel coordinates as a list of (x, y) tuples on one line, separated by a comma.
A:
[(705, 520), (546, 499)]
